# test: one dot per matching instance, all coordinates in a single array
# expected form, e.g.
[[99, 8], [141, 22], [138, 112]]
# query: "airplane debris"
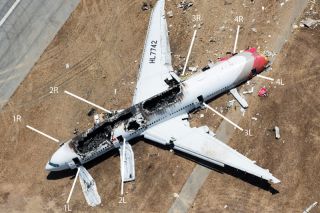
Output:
[[193, 69], [230, 103], [91, 112], [277, 131], [263, 92], [67, 66], [248, 91], [96, 119], [269, 53], [185, 5], [254, 118], [75, 131], [310, 207], [310, 23], [89, 188], [170, 14], [145, 6], [201, 115], [242, 110], [175, 195], [254, 29]]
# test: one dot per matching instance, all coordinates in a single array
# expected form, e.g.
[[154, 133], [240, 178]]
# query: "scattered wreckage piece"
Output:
[[307, 210], [263, 92], [277, 132], [310, 23], [185, 5], [170, 14]]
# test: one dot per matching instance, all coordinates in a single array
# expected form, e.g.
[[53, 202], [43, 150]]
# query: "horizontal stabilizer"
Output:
[[239, 98], [89, 187]]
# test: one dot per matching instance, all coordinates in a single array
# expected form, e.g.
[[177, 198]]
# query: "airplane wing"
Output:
[[156, 58], [200, 142]]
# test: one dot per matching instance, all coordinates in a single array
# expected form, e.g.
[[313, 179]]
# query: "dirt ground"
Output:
[[102, 42]]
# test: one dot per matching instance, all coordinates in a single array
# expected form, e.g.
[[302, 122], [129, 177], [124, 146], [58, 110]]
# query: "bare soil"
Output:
[[102, 42]]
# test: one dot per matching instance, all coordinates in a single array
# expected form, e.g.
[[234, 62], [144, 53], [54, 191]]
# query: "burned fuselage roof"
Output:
[[131, 119]]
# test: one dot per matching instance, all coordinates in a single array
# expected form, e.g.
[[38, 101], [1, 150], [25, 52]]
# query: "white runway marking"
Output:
[[9, 12], [74, 183], [48, 136], [88, 102], [264, 77], [215, 111]]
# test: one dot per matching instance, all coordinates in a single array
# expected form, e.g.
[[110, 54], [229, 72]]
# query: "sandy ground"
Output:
[[102, 42]]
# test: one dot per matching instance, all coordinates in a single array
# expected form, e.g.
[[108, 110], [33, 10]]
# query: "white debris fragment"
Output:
[[201, 115], [222, 28], [242, 110], [170, 14], [89, 187], [277, 131], [230, 103], [115, 91], [268, 53], [67, 66], [175, 195], [225, 206], [281, 4], [310, 23], [193, 69], [96, 119], [254, 29], [263, 8], [254, 118], [248, 91], [295, 26], [310, 207]]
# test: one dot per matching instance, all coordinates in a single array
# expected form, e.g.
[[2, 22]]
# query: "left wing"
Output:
[[156, 58], [201, 143]]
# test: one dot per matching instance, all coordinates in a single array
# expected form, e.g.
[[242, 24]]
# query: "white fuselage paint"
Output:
[[217, 80]]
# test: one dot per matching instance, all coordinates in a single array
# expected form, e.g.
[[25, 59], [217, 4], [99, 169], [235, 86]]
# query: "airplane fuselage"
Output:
[[177, 100]]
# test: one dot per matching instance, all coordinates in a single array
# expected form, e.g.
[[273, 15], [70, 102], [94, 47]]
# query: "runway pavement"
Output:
[[26, 30]]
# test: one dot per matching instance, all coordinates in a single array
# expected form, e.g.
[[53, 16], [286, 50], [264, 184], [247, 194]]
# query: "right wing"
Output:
[[200, 142], [155, 63]]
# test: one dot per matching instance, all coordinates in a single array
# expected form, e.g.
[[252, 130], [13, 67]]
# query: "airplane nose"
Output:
[[49, 167]]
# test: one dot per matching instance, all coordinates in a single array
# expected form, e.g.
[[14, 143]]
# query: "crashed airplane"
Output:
[[160, 108]]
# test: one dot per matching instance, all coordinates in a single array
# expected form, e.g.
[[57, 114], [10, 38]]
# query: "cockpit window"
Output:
[[53, 164]]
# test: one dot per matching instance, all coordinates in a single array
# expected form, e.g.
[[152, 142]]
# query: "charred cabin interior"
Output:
[[87, 142], [165, 98], [101, 133]]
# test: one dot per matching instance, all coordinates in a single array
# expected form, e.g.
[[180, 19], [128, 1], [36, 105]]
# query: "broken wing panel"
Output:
[[156, 58], [200, 143]]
